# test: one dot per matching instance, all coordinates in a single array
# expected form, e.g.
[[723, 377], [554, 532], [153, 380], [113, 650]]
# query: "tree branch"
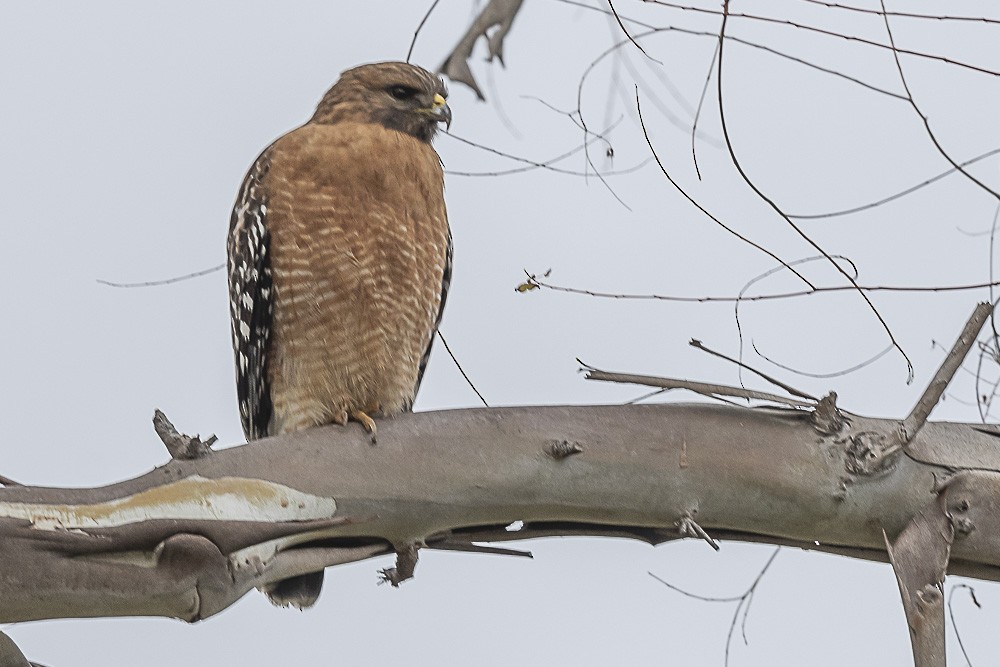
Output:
[[193, 536]]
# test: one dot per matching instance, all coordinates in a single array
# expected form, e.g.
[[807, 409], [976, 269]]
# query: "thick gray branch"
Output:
[[193, 536]]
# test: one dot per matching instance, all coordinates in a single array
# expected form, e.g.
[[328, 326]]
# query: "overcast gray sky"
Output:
[[127, 127]]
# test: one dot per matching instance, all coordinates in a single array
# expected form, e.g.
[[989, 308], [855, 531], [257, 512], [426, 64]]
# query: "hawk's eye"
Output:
[[402, 92]]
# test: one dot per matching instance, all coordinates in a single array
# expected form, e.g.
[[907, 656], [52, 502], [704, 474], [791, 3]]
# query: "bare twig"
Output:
[[537, 283], [703, 388], [933, 17], [923, 116], [628, 34], [828, 33], [166, 281], [954, 623], [697, 113], [420, 26], [932, 394], [701, 208], [777, 209], [654, 30], [823, 376], [756, 279], [744, 599], [898, 195], [547, 164], [697, 344], [459, 367]]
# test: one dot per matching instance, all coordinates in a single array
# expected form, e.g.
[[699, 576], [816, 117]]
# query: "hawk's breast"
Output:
[[359, 238]]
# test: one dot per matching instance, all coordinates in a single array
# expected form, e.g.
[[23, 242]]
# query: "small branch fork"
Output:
[[744, 600]]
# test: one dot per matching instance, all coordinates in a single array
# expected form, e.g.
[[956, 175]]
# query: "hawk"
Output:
[[339, 261]]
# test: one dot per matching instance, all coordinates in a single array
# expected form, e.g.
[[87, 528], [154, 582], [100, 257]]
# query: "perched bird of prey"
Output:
[[339, 261]]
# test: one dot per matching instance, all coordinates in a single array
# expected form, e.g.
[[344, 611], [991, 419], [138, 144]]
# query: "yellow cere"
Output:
[[438, 100]]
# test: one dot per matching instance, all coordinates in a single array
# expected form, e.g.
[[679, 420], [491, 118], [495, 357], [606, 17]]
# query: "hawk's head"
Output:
[[397, 95]]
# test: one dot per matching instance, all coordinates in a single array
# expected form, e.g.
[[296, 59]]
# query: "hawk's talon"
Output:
[[366, 422]]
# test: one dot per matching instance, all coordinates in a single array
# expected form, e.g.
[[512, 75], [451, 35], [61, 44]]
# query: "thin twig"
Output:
[[743, 600], [459, 367], [166, 281], [932, 394], [701, 208], [993, 321], [909, 15], [756, 279], [697, 113], [923, 116], [547, 164], [778, 383], [898, 195], [823, 376], [761, 297], [703, 388], [413, 42], [628, 34], [954, 624], [777, 209], [828, 33], [654, 30]]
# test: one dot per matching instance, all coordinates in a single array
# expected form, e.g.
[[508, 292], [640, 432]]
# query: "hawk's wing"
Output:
[[445, 284], [251, 298]]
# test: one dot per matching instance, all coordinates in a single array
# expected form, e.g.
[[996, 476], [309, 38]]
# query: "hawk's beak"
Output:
[[440, 110]]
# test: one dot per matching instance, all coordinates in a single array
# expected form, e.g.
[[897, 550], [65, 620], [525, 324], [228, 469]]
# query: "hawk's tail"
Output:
[[300, 592]]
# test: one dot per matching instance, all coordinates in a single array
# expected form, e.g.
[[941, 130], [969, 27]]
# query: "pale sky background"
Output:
[[127, 127]]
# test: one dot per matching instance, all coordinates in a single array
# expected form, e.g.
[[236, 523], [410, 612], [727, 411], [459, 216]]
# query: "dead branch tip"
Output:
[[499, 13]]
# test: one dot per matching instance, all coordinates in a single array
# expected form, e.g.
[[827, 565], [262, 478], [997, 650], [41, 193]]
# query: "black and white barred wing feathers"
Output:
[[251, 299]]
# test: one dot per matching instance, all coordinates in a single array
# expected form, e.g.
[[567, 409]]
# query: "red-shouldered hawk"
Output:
[[339, 263]]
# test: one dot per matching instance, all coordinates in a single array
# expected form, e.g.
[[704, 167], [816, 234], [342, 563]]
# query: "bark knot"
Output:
[[560, 449], [825, 417], [869, 453]]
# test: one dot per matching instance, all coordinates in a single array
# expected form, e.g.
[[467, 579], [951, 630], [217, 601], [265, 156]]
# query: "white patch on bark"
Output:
[[195, 497]]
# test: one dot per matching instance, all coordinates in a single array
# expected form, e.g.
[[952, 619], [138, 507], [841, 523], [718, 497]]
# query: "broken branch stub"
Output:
[[497, 14], [179, 445]]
